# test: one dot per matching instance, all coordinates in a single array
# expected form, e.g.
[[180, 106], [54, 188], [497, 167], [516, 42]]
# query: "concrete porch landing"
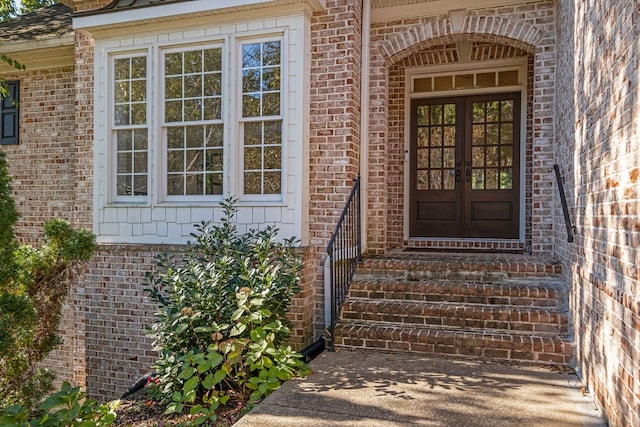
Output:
[[356, 388]]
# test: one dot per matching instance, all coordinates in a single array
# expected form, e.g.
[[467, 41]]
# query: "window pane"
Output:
[[477, 179], [506, 156], [214, 136], [121, 69], [435, 180], [436, 158], [193, 61], [436, 136], [213, 60], [263, 157], [138, 90], [423, 180], [173, 111], [271, 78], [271, 53], [124, 162], [195, 136], [139, 67], [212, 109], [271, 104], [251, 105], [272, 183], [272, 158], [251, 80], [140, 162], [195, 160], [273, 132], [193, 86], [130, 108], [175, 161], [506, 179], [124, 138], [213, 184], [122, 115], [140, 185], [140, 139], [175, 185], [173, 64], [212, 84], [251, 55], [492, 179], [252, 181], [138, 114], [253, 158], [173, 88]]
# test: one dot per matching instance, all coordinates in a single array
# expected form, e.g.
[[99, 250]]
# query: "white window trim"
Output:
[[237, 42], [161, 128], [112, 187]]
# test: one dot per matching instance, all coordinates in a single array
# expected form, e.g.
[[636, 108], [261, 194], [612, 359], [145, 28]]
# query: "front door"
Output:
[[465, 166]]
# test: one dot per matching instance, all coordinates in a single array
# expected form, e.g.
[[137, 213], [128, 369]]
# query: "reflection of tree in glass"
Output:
[[261, 78]]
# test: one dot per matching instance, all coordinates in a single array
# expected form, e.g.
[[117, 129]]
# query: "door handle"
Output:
[[458, 172], [468, 175]]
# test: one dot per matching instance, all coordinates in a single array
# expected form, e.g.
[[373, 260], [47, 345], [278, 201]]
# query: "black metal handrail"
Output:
[[563, 201], [344, 250]]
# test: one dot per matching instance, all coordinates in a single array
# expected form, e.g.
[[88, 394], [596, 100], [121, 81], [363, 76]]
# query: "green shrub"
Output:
[[222, 317], [33, 285], [69, 407]]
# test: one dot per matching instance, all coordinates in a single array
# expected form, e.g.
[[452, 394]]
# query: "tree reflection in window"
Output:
[[130, 125], [261, 112], [193, 119]]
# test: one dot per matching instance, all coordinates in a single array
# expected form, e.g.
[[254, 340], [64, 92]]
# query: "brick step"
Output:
[[518, 319], [477, 267], [534, 292], [447, 341]]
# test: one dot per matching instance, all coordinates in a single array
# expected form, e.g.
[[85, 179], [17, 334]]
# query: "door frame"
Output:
[[412, 73]]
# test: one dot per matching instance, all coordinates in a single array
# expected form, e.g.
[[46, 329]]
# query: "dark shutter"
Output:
[[9, 114]]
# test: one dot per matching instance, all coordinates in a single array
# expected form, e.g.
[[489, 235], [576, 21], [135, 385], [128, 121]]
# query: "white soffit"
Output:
[[387, 10], [39, 54]]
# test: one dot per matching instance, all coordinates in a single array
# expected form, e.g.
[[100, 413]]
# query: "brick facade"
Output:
[[598, 153], [581, 113]]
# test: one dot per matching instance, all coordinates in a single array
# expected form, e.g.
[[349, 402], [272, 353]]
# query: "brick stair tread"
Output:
[[474, 265], [530, 293], [410, 307], [455, 341]]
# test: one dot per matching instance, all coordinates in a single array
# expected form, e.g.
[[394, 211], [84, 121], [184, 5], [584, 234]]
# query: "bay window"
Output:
[[220, 123]]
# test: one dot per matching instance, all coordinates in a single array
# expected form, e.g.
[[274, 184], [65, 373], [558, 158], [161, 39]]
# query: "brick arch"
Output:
[[498, 29]]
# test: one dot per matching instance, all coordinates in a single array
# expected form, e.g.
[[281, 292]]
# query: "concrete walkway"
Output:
[[349, 388]]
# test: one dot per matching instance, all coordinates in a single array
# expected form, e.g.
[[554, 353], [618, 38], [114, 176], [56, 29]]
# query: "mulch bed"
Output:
[[137, 410]]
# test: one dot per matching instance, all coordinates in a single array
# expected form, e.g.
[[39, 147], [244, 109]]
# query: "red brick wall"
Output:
[[598, 153], [42, 165], [334, 125]]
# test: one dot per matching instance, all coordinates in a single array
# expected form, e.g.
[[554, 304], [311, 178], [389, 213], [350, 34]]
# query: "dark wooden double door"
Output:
[[465, 167]]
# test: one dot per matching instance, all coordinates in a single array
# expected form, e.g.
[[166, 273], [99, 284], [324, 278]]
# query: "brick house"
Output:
[[135, 118]]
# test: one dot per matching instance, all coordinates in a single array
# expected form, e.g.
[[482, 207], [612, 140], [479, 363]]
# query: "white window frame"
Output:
[[161, 127], [240, 120], [112, 165]]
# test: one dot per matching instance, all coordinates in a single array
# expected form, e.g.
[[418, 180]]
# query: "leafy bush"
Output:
[[222, 317], [69, 407], [33, 285]]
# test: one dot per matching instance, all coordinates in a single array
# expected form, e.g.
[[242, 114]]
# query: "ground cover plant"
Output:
[[222, 321]]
